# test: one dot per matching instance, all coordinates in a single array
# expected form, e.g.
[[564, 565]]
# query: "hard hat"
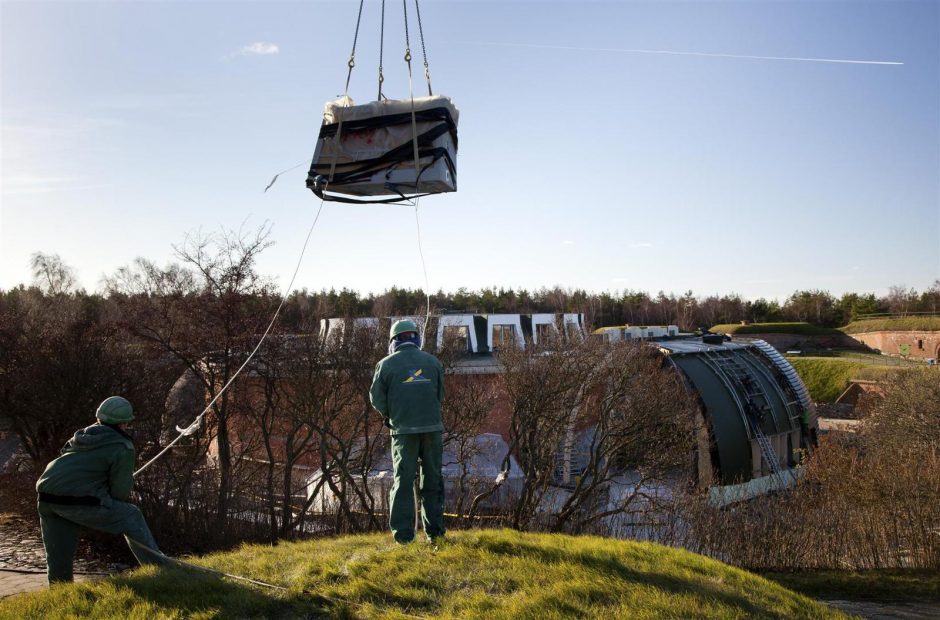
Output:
[[401, 327], [115, 410]]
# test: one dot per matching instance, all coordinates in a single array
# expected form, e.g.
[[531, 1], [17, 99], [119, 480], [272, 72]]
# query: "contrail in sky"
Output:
[[674, 53]]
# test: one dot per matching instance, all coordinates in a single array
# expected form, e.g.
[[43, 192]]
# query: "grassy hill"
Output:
[[826, 378], [904, 324], [801, 329], [489, 573]]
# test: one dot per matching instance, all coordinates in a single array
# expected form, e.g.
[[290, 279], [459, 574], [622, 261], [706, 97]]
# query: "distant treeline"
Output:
[[218, 266], [688, 311]]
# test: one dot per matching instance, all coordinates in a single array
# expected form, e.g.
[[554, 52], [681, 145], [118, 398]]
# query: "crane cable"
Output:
[[197, 423], [352, 55], [424, 51], [414, 142]]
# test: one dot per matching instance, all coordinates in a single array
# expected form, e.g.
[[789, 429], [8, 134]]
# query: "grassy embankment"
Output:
[[801, 329], [904, 324], [489, 573], [827, 377]]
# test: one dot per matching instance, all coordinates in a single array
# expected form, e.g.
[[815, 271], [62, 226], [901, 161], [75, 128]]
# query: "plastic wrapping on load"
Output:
[[369, 150]]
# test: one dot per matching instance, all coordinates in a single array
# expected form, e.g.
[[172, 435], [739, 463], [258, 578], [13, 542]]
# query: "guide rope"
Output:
[[427, 287], [302, 163], [197, 423], [205, 569]]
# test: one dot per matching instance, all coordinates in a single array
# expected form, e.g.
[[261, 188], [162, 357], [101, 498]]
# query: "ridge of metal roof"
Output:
[[694, 344]]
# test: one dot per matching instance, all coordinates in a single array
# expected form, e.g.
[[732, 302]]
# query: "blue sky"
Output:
[[126, 125]]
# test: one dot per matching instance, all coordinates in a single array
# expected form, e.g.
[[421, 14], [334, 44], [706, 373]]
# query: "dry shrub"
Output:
[[871, 500]]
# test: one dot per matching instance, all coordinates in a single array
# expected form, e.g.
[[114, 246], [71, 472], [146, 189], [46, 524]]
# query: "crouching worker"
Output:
[[87, 486], [407, 390]]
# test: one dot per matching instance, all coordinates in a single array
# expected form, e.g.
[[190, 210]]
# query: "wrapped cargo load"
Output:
[[368, 151]]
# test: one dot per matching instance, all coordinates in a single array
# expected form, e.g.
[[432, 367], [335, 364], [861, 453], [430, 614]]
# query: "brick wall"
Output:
[[918, 344]]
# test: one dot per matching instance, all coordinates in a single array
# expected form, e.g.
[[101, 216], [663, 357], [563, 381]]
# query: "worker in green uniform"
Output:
[[407, 390], [87, 486]]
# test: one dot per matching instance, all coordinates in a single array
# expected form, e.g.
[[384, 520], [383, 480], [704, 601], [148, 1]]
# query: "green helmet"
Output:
[[401, 327], [115, 410]]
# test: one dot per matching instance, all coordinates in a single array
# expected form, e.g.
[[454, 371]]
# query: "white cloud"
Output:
[[567, 242], [258, 48], [641, 245], [38, 184], [619, 280]]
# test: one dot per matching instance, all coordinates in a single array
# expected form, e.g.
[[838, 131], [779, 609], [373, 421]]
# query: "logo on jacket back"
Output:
[[416, 376]]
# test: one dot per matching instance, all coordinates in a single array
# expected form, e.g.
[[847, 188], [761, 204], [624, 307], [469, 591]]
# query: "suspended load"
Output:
[[386, 151], [370, 150]]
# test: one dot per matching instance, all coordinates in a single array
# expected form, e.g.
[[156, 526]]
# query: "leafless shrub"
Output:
[[865, 501], [595, 427]]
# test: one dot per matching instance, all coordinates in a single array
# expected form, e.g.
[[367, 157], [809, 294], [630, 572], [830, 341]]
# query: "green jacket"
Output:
[[407, 390], [98, 461]]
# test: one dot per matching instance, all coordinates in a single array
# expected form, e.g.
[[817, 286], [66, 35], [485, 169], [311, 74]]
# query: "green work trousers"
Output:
[[407, 451], [60, 526]]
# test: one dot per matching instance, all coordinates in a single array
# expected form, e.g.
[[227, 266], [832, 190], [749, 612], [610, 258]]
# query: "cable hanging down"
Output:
[[197, 423]]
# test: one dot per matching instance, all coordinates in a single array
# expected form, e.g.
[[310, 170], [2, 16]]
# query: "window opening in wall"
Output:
[[457, 338], [920, 345], [504, 336], [544, 331], [572, 331]]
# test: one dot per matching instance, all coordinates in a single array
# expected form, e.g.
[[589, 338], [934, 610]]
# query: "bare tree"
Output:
[[586, 416], [51, 275], [207, 319]]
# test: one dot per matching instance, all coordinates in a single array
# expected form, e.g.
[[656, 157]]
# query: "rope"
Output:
[[197, 423], [424, 51], [182, 564], [424, 267], [352, 54], [282, 172]]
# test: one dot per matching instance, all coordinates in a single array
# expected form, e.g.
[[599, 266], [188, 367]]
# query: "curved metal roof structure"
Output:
[[755, 407]]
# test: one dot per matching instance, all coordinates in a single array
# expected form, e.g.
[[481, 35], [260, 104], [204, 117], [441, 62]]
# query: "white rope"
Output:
[[424, 267], [197, 423], [181, 564]]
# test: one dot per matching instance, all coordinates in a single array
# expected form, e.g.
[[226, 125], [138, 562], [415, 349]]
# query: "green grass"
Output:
[[905, 324], [827, 377], [802, 329], [861, 585], [488, 573]]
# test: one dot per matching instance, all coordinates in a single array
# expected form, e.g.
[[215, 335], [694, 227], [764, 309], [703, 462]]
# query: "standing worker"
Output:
[[407, 390], [87, 486]]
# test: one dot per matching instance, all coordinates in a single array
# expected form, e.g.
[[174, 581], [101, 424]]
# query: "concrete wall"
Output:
[[919, 344]]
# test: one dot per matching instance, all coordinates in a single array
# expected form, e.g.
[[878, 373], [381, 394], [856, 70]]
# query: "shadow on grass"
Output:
[[192, 593], [612, 566]]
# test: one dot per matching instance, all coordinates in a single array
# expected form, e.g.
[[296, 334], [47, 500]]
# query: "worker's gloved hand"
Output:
[[387, 422]]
